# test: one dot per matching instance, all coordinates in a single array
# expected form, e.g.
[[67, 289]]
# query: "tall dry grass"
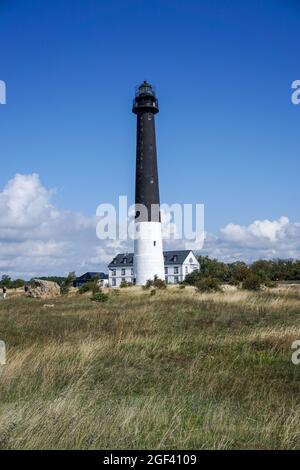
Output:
[[174, 370]]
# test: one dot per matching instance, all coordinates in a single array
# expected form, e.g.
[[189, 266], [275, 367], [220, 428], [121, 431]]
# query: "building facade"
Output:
[[177, 265]]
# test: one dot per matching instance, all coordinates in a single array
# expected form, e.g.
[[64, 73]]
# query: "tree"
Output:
[[238, 272], [5, 281], [208, 284], [67, 283], [17, 283], [71, 278], [252, 282], [213, 268]]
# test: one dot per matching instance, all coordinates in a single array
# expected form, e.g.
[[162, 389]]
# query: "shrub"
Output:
[[159, 283], [208, 284], [193, 278], [270, 284], [148, 284], [90, 286], [124, 283], [64, 289], [156, 282], [252, 282], [99, 297], [181, 286], [84, 288], [152, 292]]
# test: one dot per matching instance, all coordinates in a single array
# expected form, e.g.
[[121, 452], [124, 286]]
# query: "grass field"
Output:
[[177, 369]]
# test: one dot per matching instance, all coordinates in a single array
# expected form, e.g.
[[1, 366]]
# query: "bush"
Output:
[[181, 286], [208, 284], [124, 283], [99, 297], [159, 283], [64, 289], [193, 278], [84, 288], [148, 284], [152, 292], [67, 283], [90, 286], [270, 284], [252, 282]]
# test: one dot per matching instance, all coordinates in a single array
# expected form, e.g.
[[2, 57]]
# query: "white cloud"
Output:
[[38, 239], [260, 229], [261, 239]]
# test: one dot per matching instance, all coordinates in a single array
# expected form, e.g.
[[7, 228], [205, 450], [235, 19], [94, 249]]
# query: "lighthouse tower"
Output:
[[148, 249]]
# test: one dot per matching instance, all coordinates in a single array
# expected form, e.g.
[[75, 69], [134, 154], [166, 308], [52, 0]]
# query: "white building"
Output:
[[177, 265]]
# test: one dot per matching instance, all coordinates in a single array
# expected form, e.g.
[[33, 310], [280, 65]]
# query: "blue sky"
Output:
[[228, 134]]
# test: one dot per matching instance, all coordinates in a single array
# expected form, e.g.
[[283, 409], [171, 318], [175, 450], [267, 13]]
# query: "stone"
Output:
[[44, 289]]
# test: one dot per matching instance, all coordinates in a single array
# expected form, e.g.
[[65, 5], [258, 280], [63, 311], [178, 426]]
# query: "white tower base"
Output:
[[148, 252]]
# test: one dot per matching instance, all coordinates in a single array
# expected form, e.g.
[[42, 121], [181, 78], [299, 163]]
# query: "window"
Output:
[[132, 272], [186, 270], [176, 271], [166, 270], [166, 279], [154, 243], [191, 260], [176, 279], [123, 270], [175, 258], [113, 272], [113, 282]]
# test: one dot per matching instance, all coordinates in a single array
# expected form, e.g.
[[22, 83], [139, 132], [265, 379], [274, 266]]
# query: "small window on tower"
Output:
[[154, 243], [149, 117]]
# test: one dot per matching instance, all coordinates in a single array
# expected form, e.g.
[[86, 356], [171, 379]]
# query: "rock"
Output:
[[44, 289]]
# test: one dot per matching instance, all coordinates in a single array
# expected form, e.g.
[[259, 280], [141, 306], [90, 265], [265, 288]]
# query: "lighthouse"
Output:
[[148, 248]]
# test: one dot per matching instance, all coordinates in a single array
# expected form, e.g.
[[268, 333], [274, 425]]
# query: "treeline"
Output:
[[62, 281], [251, 276], [273, 270]]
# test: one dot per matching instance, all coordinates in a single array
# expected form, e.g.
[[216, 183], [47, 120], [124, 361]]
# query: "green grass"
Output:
[[175, 370]]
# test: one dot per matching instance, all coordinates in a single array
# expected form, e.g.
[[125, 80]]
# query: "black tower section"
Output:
[[145, 106]]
